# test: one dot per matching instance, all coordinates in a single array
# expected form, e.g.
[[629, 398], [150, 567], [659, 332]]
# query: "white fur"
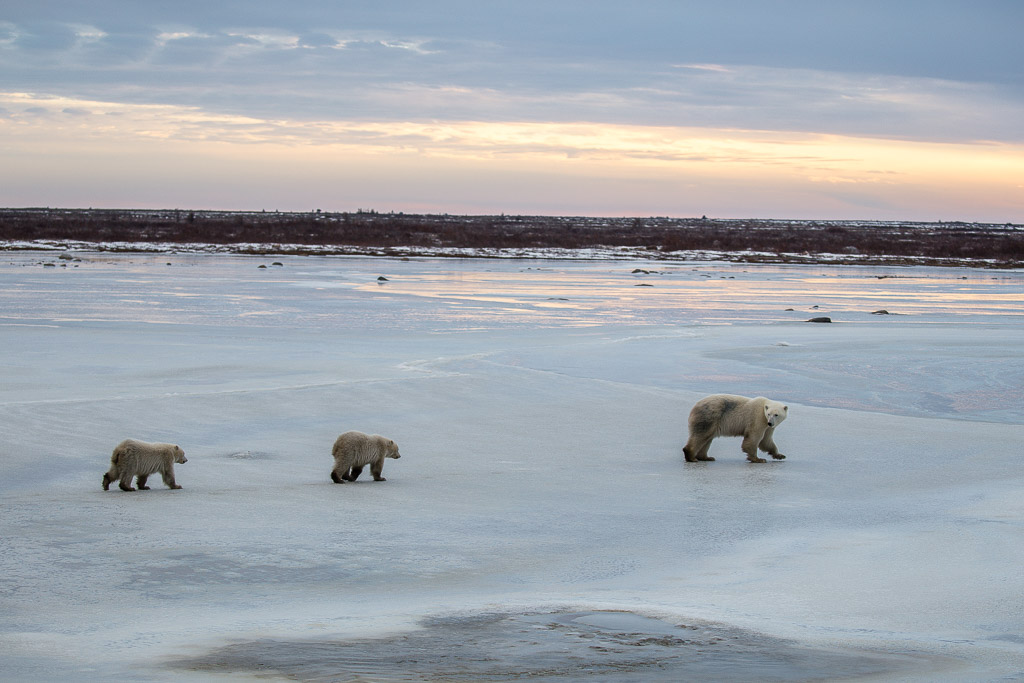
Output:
[[140, 459], [755, 419], [354, 450]]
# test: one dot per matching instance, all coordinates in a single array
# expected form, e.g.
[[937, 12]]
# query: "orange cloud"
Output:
[[859, 168]]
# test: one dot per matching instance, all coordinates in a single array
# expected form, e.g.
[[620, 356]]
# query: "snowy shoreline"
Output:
[[534, 253]]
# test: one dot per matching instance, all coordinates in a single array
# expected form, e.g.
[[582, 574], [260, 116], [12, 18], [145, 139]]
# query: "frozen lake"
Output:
[[542, 521]]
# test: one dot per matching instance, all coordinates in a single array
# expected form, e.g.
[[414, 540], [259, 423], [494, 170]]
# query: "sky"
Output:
[[796, 109]]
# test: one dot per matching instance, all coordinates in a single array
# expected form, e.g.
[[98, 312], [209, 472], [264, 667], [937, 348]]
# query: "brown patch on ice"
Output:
[[553, 646]]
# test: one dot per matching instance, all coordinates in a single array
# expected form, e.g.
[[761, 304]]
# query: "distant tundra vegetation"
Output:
[[952, 243]]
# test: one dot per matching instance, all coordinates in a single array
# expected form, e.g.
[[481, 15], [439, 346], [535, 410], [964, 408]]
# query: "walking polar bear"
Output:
[[755, 419], [354, 450], [140, 459]]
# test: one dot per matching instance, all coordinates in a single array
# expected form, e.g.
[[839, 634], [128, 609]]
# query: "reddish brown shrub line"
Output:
[[976, 241]]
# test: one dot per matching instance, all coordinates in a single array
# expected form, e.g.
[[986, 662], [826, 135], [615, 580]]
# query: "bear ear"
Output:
[[785, 408]]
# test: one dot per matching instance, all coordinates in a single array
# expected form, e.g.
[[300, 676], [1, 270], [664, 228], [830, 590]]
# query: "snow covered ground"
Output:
[[541, 520]]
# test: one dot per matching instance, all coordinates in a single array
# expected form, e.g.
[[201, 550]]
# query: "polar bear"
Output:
[[755, 419], [140, 459], [354, 450]]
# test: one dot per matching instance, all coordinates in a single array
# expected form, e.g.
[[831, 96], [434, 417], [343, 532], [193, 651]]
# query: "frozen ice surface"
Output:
[[541, 515]]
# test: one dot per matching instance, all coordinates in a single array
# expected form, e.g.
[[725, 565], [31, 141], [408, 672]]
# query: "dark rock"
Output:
[[820, 320]]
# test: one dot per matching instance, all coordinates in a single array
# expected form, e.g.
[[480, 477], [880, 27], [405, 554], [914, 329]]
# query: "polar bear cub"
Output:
[[755, 419], [354, 450], [140, 459]]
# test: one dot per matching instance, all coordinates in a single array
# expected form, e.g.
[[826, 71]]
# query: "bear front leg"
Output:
[[353, 473], [750, 442], [141, 482], [768, 446], [169, 479], [376, 468]]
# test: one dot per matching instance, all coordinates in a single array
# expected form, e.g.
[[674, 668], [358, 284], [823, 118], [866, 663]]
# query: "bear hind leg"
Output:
[[108, 479], [140, 482], [696, 449], [702, 452], [342, 465], [688, 453], [353, 473]]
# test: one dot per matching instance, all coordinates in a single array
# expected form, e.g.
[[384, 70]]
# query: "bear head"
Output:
[[775, 412], [392, 450], [179, 455]]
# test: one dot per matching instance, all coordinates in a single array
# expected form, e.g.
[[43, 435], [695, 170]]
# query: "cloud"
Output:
[[821, 158], [49, 37], [733, 85], [388, 74], [704, 67], [316, 40]]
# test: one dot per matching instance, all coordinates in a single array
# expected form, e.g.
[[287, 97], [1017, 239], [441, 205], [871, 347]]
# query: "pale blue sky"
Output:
[[776, 109]]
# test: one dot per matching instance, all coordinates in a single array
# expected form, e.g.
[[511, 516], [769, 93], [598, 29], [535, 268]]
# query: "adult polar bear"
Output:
[[140, 459], [755, 419]]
